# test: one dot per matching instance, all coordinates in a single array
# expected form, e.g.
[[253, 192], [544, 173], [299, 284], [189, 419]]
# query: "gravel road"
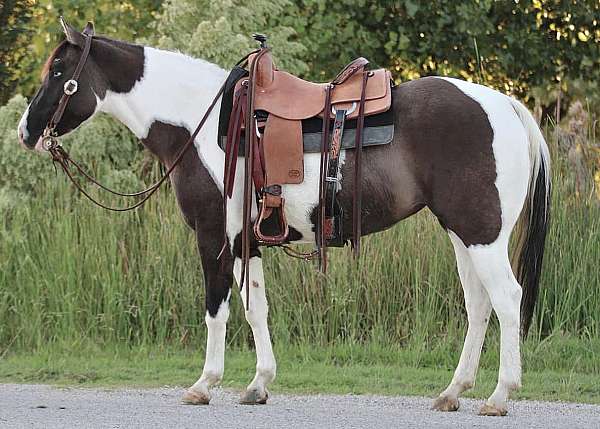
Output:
[[33, 406]]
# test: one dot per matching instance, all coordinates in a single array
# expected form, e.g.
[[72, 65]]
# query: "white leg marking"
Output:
[[215, 354], [256, 316], [478, 308], [492, 266]]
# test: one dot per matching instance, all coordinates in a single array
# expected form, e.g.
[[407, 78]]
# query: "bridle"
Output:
[[61, 157], [70, 87]]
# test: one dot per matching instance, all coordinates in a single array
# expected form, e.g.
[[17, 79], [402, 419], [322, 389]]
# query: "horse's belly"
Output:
[[301, 199]]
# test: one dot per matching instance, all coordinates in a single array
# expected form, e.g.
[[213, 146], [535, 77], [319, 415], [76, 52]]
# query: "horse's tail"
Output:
[[533, 222]]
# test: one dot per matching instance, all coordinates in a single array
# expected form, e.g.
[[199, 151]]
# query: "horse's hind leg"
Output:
[[478, 308], [493, 268], [256, 315]]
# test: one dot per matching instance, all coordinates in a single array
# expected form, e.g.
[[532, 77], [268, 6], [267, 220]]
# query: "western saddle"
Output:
[[269, 105]]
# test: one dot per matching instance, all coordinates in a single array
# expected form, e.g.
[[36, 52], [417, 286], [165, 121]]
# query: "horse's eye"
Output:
[[57, 74]]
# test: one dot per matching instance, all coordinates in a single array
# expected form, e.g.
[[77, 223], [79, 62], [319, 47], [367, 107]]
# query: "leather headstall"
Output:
[[69, 89]]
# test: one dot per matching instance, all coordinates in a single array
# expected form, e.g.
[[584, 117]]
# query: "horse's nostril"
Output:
[[21, 135]]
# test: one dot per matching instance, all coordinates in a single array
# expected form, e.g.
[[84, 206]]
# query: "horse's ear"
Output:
[[89, 29], [74, 37]]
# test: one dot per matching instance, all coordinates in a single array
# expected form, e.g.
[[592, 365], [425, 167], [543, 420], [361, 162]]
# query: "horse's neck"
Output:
[[175, 90]]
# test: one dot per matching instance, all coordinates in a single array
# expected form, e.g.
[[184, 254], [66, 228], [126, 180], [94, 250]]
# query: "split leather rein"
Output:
[[61, 157]]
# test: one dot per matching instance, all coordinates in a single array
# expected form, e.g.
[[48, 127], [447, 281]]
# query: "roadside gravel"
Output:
[[33, 406]]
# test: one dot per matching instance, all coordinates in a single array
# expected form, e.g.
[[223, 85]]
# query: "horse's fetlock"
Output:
[[213, 376], [467, 385], [267, 373]]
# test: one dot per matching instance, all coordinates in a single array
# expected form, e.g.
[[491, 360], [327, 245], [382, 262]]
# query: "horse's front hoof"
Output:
[[492, 410], [254, 397], [193, 397], [445, 403]]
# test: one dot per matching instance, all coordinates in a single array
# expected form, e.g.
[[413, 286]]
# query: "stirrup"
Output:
[[266, 212]]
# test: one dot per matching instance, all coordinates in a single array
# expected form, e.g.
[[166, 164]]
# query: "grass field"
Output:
[[565, 369], [95, 297], [71, 272]]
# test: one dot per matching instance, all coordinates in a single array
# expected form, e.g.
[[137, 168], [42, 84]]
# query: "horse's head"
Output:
[[59, 69]]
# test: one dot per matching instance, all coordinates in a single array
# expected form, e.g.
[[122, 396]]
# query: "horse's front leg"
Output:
[[218, 281], [256, 315]]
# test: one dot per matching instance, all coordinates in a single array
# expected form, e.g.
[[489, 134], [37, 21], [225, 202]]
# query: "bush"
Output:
[[103, 145]]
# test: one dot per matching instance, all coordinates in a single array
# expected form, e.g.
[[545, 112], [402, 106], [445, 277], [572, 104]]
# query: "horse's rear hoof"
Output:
[[445, 403], [492, 410], [193, 397], [254, 397]]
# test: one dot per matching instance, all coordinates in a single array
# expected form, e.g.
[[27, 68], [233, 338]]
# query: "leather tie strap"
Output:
[[251, 145], [321, 241], [355, 66], [357, 197], [61, 156]]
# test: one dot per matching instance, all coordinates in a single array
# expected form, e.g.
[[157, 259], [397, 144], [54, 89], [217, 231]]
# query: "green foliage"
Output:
[[14, 17], [127, 20], [512, 46], [71, 272], [219, 30], [20, 172], [106, 146]]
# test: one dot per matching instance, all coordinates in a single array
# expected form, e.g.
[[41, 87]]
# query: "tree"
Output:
[[220, 30], [127, 20], [513, 46], [14, 17]]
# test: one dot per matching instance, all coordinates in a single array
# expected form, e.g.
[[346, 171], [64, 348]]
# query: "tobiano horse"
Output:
[[475, 157]]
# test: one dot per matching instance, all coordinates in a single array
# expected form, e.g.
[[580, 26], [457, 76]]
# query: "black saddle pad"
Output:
[[378, 129]]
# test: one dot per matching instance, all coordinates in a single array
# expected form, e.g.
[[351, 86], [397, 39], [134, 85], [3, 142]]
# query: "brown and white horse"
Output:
[[475, 157]]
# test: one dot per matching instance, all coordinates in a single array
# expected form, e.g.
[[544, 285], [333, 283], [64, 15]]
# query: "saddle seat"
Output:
[[289, 97]]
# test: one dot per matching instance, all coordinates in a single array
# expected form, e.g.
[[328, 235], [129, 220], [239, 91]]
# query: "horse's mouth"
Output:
[[39, 146]]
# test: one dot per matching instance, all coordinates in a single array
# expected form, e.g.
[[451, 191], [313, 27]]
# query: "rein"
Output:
[[62, 157]]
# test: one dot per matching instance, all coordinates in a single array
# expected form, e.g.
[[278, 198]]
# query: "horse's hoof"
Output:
[[445, 403], [492, 410], [254, 397], [193, 397]]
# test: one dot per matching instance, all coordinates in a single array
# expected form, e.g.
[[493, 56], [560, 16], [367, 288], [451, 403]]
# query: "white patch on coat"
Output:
[[215, 349], [519, 149], [257, 319], [22, 130], [177, 90], [478, 306]]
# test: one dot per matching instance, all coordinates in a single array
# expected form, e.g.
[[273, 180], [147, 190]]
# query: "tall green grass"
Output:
[[74, 274]]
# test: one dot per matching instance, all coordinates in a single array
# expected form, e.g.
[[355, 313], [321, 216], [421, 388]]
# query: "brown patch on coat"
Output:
[[441, 157], [200, 202]]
